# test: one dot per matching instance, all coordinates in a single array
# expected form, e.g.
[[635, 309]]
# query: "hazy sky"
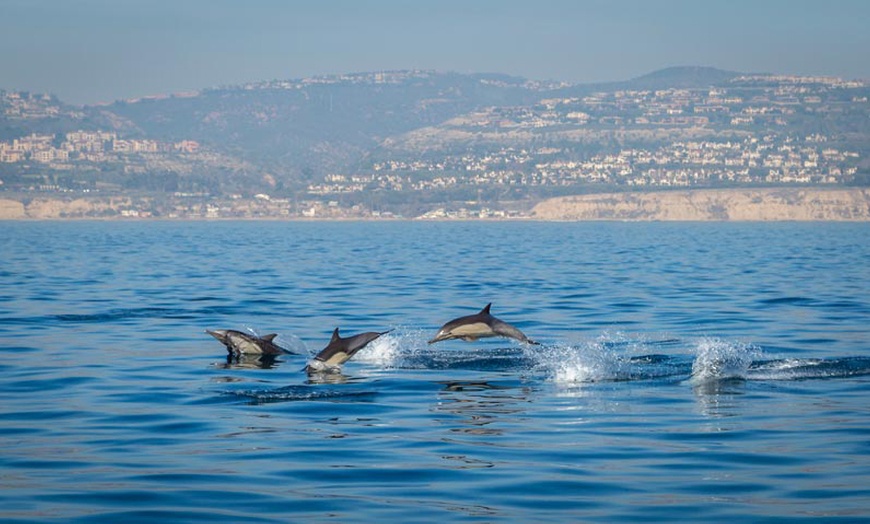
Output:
[[87, 51]]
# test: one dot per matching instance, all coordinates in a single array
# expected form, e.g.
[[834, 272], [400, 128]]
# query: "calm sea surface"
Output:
[[688, 372]]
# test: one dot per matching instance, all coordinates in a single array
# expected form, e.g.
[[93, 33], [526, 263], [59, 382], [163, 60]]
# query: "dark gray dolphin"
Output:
[[479, 325], [339, 350], [239, 343]]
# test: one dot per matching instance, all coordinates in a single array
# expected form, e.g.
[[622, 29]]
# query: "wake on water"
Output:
[[611, 357]]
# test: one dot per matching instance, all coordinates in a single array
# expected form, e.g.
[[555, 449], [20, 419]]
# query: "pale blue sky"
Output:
[[87, 51]]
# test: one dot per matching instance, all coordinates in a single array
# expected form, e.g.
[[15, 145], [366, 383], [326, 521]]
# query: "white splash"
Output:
[[717, 359], [591, 361], [390, 350], [292, 343], [575, 369], [790, 369]]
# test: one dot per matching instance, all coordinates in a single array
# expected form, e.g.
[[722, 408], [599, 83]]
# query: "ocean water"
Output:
[[688, 372]]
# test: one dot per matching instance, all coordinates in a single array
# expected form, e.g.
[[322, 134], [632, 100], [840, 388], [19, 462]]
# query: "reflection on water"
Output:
[[719, 398], [244, 361], [328, 377], [481, 408]]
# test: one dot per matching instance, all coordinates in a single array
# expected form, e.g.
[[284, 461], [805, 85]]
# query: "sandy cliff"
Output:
[[725, 204], [11, 209], [58, 208]]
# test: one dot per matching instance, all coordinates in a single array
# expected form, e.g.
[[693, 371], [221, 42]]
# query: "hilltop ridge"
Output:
[[682, 77]]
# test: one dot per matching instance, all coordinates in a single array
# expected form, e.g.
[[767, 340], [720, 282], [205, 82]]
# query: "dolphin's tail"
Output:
[[506, 330]]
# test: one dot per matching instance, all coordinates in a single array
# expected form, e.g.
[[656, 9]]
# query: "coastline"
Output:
[[697, 205]]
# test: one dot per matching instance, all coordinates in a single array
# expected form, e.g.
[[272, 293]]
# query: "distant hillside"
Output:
[[407, 142], [23, 114], [308, 128]]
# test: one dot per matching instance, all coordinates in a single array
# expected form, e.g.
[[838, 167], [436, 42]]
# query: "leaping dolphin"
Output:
[[339, 350], [239, 343], [479, 325]]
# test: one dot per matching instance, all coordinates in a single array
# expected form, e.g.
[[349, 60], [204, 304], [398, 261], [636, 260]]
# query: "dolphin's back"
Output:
[[340, 350], [240, 343]]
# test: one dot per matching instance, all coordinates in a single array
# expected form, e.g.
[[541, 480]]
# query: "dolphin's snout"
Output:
[[439, 337], [217, 333], [220, 334]]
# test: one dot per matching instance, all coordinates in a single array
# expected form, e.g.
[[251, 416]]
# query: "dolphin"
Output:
[[339, 350], [479, 325], [239, 343]]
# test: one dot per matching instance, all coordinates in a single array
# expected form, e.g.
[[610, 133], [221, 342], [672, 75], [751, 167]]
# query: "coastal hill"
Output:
[[428, 143]]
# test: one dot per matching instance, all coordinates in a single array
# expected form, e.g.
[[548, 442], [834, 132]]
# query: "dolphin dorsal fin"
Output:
[[270, 337], [485, 311], [334, 336]]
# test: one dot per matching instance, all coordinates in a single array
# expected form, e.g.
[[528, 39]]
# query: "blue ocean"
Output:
[[687, 372]]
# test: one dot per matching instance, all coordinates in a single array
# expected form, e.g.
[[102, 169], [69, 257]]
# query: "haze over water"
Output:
[[688, 372]]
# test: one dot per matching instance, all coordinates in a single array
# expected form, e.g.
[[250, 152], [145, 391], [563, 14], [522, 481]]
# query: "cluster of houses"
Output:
[[768, 159], [83, 146], [735, 134]]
